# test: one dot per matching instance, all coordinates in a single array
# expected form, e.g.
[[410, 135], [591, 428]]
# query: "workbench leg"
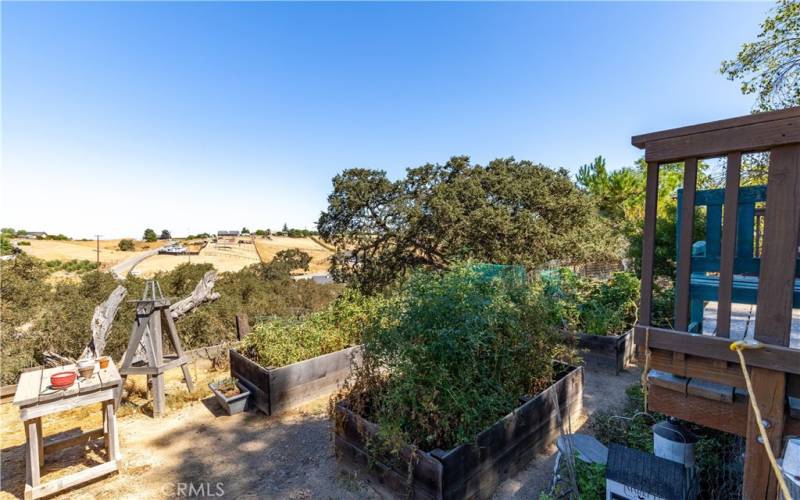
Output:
[[40, 441], [112, 438], [159, 399], [187, 377], [32, 455]]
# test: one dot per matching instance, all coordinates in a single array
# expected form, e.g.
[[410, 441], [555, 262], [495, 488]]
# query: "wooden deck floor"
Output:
[[743, 320]]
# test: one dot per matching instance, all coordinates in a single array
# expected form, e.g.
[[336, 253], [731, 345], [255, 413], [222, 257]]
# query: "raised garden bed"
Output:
[[471, 470], [275, 390], [605, 352]]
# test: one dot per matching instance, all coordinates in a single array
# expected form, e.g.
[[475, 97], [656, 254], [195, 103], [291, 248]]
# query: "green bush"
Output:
[[279, 342], [448, 354], [592, 306], [126, 245], [36, 316]]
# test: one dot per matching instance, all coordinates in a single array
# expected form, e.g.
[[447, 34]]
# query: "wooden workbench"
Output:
[[35, 399]]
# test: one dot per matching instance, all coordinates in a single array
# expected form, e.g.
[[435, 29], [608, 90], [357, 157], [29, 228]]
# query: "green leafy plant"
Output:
[[228, 387], [449, 354], [591, 306], [282, 341]]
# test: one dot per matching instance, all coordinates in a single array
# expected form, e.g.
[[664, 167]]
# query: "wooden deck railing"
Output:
[[776, 366]]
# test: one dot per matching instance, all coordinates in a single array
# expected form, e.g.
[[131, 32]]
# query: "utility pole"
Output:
[[97, 236]]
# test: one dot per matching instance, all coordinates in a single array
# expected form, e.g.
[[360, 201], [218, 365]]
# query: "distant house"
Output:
[[227, 234], [34, 235]]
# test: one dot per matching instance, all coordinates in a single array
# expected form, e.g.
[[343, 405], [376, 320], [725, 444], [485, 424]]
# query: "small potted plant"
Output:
[[231, 394]]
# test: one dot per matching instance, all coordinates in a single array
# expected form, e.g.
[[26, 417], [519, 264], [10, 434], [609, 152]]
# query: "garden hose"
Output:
[[738, 347]]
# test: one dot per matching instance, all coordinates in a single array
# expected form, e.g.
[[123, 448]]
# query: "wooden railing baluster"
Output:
[[728, 251], [682, 282]]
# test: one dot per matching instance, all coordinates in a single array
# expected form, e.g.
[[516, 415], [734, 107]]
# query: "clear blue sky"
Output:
[[204, 116]]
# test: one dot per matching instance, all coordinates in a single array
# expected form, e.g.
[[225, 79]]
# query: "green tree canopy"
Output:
[[149, 235], [508, 211], [165, 235], [770, 66]]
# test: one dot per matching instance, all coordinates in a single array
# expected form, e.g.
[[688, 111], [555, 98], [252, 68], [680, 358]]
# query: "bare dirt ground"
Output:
[[84, 250], [249, 455]]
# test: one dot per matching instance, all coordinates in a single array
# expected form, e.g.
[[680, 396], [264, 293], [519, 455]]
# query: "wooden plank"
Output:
[[109, 376], [64, 404], [242, 326], [697, 367], [649, 244], [755, 137], [725, 417], [254, 376], [710, 390], [28, 388], [781, 227], [46, 393], [728, 250], [774, 313], [55, 444], [640, 141], [351, 445], [112, 445], [33, 451], [686, 231], [295, 384], [74, 479], [770, 356], [769, 388], [91, 384], [667, 381]]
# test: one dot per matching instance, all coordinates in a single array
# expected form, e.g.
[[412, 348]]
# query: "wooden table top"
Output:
[[34, 386]]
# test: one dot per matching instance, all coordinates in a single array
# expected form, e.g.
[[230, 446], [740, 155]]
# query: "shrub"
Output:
[[449, 354], [6, 248], [126, 245], [35, 316], [591, 306], [279, 342], [24, 243]]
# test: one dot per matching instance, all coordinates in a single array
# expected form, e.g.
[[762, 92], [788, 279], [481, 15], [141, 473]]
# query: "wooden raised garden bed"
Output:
[[606, 352], [275, 390], [471, 470]]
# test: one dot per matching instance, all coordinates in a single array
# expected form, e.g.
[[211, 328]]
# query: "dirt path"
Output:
[[249, 455]]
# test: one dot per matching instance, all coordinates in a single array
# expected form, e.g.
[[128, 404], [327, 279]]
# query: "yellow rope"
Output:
[[738, 347]]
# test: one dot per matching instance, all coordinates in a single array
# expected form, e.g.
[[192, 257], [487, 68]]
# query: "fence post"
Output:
[[242, 326]]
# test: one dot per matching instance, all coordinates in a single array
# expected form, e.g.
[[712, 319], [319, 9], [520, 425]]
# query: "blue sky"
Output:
[[203, 116]]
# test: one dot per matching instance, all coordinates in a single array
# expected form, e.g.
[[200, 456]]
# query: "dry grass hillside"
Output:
[[84, 250], [320, 256]]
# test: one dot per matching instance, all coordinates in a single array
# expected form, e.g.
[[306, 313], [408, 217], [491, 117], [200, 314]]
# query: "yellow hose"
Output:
[[738, 347]]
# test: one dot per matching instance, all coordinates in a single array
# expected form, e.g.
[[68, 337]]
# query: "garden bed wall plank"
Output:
[[352, 434], [298, 383], [254, 377], [469, 470], [275, 390], [605, 352], [508, 445]]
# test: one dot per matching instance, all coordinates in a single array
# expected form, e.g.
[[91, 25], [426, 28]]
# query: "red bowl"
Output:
[[62, 380]]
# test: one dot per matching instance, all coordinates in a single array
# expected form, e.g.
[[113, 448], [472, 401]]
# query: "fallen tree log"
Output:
[[203, 292]]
